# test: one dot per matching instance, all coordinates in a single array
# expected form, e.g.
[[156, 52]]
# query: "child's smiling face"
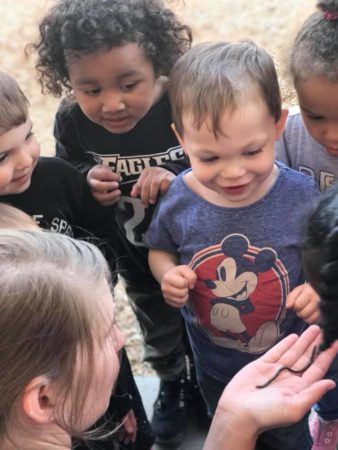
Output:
[[19, 153], [318, 101], [236, 167], [114, 88]]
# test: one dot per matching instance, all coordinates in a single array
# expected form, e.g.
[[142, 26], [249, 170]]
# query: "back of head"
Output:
[[76, 27], [15, 219], [213, 78], [13, 105], [47, 314], [320, 258], [315, 50]]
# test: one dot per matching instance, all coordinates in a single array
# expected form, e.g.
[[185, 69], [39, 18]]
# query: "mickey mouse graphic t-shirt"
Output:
[[247, 260]]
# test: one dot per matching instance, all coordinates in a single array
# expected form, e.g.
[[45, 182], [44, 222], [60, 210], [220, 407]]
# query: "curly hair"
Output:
[[320, 259], [76, 27], [315, 50]]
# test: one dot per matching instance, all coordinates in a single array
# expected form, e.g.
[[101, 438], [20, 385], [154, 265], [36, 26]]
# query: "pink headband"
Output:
[[328, 15]]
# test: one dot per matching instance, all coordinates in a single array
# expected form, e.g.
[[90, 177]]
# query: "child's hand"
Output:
[[176, 284], [104, 184], [128, 430], [304, 301], [151, 182]]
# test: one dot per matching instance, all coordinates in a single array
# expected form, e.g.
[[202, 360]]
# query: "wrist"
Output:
[[231, 431]]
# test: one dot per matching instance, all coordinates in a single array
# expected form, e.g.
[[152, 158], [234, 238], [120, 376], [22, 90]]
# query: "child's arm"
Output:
[[175, 280], [304, 301]]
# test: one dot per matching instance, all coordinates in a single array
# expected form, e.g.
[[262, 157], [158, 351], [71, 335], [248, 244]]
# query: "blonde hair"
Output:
[[13, 105], [15, 219], [48, 283]]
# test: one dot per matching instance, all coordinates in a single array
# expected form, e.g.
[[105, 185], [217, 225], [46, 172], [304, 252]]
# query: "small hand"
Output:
[[151, 182], [304, 301], [127, 432], [104, 184], [176, 283]]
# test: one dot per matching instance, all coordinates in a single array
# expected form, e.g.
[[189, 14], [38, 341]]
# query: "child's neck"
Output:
[[217, 199]]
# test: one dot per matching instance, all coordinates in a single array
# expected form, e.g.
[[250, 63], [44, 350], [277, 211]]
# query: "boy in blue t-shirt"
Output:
[[224, 239]]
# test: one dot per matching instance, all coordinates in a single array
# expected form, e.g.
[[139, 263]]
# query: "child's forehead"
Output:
[[253, 110], [15, 135]]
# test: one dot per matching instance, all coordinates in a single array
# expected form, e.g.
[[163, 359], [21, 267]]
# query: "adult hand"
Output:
[[285, 401]]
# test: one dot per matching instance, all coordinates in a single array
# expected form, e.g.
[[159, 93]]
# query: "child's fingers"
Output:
[[189, 275], [103, 186], [174, 292], [107, 198], [102, 173], [292, 297], [310, 313]]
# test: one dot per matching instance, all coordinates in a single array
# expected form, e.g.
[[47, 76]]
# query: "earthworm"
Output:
[[290, 369]]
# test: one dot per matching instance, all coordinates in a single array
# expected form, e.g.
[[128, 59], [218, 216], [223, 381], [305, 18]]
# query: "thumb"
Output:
[[189, 275]]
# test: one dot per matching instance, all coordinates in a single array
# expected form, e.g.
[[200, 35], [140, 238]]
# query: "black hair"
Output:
[[315, 50], [76, 27], [320, 259]]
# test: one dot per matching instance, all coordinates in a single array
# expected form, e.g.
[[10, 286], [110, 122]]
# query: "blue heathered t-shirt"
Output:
[[247, 260]]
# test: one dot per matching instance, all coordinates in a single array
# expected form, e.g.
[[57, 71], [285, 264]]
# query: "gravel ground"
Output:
[[272, 24]]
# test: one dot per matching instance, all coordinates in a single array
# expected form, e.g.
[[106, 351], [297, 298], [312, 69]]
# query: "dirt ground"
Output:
[[271, 23]]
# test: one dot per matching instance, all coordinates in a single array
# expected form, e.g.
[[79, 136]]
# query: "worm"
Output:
[[290, 369]]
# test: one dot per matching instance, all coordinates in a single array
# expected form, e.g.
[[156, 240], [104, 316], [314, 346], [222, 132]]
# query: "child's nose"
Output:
[[113, 103], [232, 171]]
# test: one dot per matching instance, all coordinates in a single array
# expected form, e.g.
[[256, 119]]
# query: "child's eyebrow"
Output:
[[92, 81]]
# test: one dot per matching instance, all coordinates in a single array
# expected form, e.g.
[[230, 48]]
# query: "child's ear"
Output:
[[280, 125], [38, 400], [177, 134]]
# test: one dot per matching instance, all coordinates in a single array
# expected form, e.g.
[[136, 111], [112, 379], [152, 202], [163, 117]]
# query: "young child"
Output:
[[58, 198], [111, 59], [224, 238], [310, 144]]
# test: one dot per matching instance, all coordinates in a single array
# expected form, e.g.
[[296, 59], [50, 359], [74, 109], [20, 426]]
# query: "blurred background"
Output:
[[271, 23]]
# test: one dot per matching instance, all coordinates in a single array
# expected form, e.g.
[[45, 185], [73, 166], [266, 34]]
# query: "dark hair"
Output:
[[76, 27], [13, 105], [315, 50], [320, 258], [213, 77]]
